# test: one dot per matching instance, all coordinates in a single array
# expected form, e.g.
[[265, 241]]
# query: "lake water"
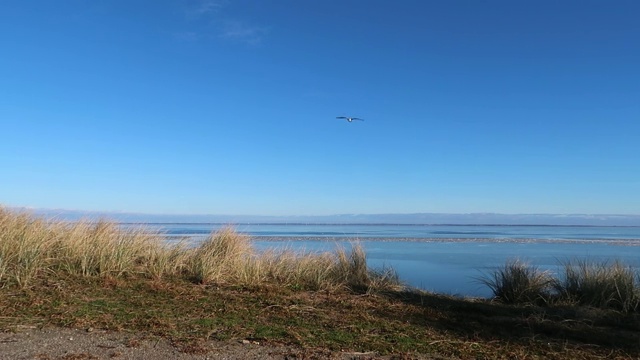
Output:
[[442, 258]]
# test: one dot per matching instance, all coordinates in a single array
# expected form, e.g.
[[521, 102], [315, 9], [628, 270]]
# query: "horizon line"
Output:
[[125, 212]]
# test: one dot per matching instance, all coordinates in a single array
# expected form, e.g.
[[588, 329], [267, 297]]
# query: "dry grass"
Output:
[[98, 275], [518, 282], [601, 285], [30, 246], [404, 325], [100, 249], [222, 257]]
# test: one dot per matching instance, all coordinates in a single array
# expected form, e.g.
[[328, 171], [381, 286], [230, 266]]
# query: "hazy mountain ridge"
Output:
[[415, 218]]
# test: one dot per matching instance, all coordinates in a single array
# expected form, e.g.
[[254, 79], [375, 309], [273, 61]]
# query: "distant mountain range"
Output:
[[417, 218]]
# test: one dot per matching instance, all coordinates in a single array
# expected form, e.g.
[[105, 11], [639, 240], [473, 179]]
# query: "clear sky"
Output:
[[229, 106]]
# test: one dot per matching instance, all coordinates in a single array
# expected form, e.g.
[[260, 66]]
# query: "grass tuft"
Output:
[[222, 256], [517, 282], [596, 284], [352, 270], [600, 285]]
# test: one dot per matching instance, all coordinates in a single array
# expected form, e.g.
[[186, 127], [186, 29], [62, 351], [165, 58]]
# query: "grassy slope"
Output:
[[50, 277], [396, 322]]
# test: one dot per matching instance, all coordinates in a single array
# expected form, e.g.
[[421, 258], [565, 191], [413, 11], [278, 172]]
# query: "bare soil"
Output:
[[76, 344]]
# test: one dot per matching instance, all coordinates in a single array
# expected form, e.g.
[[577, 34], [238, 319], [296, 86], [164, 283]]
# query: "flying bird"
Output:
[[349, 119]]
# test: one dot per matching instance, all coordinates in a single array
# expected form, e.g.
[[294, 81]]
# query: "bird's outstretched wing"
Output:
[[357, 119], [341, 117]]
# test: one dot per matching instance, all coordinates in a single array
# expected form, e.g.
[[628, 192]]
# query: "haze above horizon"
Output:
[[470, 219], [230, 106]]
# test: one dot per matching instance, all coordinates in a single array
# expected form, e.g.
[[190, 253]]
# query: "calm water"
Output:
[[442, 258]]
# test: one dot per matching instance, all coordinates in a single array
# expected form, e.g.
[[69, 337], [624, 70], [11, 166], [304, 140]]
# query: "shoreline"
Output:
[[296, 238]]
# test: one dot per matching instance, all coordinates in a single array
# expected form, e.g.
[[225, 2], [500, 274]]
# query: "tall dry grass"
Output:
[[31, 247], [229, 257], [100, 249], [518, 282], [596, 284], [24, 247], [352, 269], [295, 269], [223, 256], [600, 284]]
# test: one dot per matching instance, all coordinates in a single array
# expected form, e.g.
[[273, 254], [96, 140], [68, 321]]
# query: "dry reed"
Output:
[[32, 247]]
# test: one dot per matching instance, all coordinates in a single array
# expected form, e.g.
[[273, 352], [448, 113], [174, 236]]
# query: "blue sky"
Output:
[[229, 106]]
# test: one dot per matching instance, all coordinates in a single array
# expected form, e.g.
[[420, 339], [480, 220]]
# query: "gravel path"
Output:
[[73, 344]]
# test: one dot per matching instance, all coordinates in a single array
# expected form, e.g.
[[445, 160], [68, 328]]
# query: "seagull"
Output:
[[349, 119]]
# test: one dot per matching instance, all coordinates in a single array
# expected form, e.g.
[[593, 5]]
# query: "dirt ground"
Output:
[[76, 344]]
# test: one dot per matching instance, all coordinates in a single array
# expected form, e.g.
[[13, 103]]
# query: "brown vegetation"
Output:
[[98, 275]]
